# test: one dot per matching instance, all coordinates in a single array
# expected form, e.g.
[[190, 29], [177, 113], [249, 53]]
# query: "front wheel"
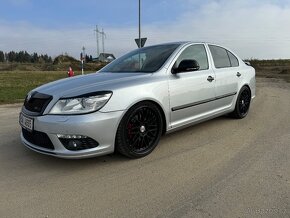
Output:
[[140, 130], [243, 103]]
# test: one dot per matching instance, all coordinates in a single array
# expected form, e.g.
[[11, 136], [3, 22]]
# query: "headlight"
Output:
[[81, 104]]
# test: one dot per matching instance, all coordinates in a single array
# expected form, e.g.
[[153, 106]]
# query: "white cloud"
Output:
[[251, 28], [257, 29]]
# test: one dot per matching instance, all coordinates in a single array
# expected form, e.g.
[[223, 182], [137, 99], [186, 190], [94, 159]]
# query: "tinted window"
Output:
[[220, 56], [234, 60], [147, 59], [196, 52]]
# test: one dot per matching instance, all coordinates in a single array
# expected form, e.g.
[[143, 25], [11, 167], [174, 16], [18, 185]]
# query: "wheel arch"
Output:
[[246, 85], [162, 115]]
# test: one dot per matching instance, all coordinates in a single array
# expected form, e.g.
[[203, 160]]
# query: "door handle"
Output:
[[238, 74], [210, 78]]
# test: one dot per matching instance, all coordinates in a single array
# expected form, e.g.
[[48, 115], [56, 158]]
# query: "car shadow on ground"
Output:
[[46, 162]]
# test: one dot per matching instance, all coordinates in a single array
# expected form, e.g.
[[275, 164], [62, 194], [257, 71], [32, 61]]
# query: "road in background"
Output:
[[220, 168]]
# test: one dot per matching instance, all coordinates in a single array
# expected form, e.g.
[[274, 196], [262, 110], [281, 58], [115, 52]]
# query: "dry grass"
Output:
[[272, 68]]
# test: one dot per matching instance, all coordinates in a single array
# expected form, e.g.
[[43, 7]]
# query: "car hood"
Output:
[[79, 85]]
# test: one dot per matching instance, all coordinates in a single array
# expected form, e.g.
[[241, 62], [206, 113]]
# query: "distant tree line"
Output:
[[24, 57]]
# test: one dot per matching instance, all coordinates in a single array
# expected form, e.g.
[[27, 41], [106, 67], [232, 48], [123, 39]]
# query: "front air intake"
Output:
[[39, 139]]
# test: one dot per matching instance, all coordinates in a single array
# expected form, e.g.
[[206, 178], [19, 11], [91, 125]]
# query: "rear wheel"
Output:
[[243, 103], [140, 130]]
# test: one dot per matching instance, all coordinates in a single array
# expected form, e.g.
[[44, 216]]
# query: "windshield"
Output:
[[148, 59]]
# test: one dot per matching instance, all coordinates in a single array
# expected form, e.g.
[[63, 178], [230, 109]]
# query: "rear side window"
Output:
[[196, 52], [220, 57], [234, 60]]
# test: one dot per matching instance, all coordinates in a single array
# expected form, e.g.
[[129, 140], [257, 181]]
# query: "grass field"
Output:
[[14, 85]]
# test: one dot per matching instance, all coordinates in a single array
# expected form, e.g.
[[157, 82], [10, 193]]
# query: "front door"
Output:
[[192, 93]]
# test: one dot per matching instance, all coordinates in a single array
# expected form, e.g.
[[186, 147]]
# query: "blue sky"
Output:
[[252, 28], [62, 13]]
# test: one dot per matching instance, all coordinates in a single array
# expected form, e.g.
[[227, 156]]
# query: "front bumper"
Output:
[[101, 127]]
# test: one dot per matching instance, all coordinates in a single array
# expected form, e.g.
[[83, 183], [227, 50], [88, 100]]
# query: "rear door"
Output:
[[226, 68], [191, 93]]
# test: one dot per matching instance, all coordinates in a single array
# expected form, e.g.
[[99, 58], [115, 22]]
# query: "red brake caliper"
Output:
[[129, 127]]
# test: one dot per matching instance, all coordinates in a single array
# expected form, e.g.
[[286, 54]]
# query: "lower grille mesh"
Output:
[[38, 138]]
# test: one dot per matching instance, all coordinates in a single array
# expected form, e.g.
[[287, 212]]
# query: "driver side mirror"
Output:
[[186, 66]]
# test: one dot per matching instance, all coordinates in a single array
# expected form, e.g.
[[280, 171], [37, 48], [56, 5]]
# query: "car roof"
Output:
[[181, 43]]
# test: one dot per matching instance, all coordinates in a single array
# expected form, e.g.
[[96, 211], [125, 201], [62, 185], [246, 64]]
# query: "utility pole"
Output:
[[97, 37], [139, 45], [139, 24], [83, 58], [103, 40], [140, 41]]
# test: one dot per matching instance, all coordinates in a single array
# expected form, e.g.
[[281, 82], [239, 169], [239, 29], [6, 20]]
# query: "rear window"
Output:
[[233, 59]]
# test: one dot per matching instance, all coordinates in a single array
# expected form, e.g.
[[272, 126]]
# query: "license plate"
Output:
[[26, 122]]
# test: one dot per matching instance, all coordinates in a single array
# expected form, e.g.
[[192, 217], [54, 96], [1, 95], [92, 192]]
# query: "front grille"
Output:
[[38, 138], [37, 102], [78, 144]]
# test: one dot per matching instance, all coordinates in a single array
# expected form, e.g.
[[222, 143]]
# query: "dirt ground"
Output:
[[220, 168]]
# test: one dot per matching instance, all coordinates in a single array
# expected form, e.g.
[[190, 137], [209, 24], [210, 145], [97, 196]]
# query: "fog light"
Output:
[[61, 136], [73, 144], [77, 142]]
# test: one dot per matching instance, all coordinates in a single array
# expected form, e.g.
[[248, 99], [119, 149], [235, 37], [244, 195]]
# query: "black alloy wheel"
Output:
[[140, 130], [243, 103]]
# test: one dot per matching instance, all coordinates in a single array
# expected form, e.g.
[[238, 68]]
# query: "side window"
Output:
[[234, 60], [220, 57], [196, 52]]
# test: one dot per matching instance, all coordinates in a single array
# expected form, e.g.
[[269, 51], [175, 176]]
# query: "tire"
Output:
[[243, 103], [139, 130]]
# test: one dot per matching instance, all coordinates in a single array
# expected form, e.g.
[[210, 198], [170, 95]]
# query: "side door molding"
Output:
[[202, 102]]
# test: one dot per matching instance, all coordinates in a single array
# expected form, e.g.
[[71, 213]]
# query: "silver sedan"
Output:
[[131, 102]]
